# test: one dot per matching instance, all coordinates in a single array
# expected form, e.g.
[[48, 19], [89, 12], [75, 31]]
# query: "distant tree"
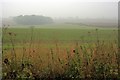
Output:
[[32, 20]]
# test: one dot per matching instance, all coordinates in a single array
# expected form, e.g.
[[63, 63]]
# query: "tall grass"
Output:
[[96, 60]]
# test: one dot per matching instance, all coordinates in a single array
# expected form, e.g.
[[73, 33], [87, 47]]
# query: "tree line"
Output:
[[32, 20]]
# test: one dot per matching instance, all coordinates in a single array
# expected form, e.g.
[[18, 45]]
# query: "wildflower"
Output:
[[74, 50], [22, 66], [96, 29], [29, 65], [88, 32], [102, 54], [10, 33], [6, 61], [13, 74], [33, 50], [28, 74]]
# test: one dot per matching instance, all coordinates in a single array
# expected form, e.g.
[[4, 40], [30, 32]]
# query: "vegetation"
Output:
[[37, 53], [32, 20]]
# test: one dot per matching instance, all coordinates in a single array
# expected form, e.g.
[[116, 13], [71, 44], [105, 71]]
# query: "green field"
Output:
[[63, 33]]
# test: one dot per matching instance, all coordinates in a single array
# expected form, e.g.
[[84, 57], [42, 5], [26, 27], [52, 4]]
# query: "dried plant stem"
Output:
[[30, 45], [13, 51]]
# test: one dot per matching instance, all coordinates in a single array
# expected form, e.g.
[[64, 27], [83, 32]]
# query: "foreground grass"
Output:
[[60, 54]]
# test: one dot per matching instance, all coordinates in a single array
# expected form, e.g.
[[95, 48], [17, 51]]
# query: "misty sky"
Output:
[[60, 8]]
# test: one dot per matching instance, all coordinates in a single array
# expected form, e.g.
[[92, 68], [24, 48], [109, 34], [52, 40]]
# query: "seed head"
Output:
[[33, 50], [10, 33], [74, 50], [96, 29], [6, 61], [88, 32]]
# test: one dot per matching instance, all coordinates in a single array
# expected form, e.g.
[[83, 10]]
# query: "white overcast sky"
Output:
[[61, 8]]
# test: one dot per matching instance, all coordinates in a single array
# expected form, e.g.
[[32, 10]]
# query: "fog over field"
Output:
[[59, 40], [60, 8], [72, 11]]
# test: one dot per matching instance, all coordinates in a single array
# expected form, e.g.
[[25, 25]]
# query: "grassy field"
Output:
[[61, 32], [60, 51]]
